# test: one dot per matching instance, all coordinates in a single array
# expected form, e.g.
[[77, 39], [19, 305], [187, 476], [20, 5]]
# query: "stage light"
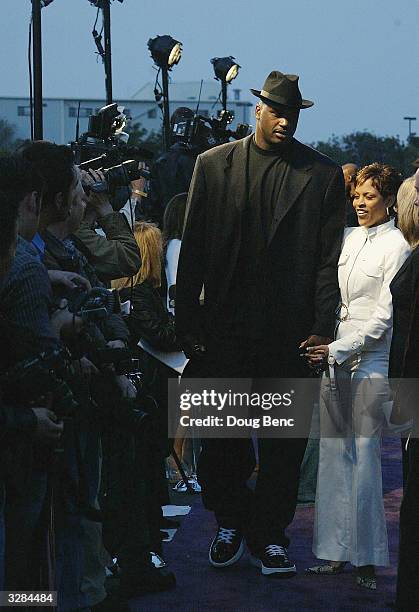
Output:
[[165, 51], [225, 68], [99, 3]]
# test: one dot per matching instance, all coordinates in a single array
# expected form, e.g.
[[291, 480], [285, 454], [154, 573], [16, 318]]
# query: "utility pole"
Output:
[[106, 8], [410, 120], [37, 69]]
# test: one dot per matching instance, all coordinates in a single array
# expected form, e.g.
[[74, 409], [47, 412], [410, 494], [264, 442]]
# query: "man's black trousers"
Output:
[[225, 465], [408, 572]]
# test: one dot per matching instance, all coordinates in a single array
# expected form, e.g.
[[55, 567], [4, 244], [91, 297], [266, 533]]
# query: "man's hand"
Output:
[[126, 386], [48, 427], [71, 280], [139, 185], [315, 341], [98, 201], [192, 347], [65, 324]]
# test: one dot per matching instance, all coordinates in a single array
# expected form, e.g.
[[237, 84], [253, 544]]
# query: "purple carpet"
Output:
[[243, 589]]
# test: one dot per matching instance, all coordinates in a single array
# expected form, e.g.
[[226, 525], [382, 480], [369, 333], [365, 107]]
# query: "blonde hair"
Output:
[[149, 240], [408, 212]]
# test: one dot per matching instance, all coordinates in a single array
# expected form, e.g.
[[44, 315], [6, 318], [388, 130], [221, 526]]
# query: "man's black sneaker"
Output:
[[226, 548], [274, 560]]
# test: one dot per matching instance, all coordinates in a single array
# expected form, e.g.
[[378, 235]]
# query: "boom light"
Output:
[[165, 51], [225, 68]]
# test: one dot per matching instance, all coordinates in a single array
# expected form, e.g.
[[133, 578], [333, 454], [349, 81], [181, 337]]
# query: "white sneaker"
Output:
[[157, 561]]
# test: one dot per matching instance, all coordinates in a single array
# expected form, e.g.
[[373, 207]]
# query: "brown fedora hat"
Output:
[[282, 89]]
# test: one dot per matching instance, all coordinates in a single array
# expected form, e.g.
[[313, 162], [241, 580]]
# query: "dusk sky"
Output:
[[357, 60]]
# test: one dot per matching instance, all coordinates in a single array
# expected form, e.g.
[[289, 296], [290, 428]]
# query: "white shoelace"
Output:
[[273, 549], [226, 535]]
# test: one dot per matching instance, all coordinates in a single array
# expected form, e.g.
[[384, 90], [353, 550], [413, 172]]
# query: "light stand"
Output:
[[107, 58], [166, 53], [224, 94], [226, 69], [37, 69], [105, 53], [166, 110]]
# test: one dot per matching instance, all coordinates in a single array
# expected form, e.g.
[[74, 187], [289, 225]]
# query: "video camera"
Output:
[[94, 305], [207, 132], [104, 146], [35, 377]]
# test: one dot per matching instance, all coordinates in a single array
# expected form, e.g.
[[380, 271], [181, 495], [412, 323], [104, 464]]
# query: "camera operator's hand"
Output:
[[70, 280], [98, 201], [126, 386], [139, 185], [65, 324], [48, 427]]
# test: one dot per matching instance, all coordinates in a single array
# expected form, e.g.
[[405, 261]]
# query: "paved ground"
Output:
[[242, 588]]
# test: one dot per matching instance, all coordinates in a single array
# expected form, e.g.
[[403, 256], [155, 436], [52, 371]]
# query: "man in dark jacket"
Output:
[[265, 218], [115, 254], [25, 330], [172, 171]]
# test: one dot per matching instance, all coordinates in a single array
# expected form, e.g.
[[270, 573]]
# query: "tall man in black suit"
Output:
[[265, 218]]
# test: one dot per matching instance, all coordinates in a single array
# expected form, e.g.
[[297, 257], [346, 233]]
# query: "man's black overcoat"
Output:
[[302, 253]]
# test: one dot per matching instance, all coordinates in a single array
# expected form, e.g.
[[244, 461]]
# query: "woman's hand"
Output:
[[317, 355]]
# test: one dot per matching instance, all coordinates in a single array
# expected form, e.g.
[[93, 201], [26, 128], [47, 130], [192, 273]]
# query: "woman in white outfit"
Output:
[[173, 219], [349, 517]]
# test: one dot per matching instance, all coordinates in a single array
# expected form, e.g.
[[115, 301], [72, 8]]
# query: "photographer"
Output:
[[172, 171], [115, 254], [38, 421], [63, 209], [25, 301]]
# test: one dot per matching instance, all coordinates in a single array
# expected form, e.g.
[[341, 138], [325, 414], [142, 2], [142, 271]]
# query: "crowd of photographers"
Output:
[[83, 411], [83, 443]]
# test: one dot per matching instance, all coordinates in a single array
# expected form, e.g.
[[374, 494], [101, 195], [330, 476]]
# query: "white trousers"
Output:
[[349, 513]]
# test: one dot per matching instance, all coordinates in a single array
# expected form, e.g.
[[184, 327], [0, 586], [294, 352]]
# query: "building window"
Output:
[[84, 112], [152, 113], [23, 111]]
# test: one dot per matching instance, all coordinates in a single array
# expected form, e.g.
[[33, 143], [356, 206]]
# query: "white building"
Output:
[[60, 114]]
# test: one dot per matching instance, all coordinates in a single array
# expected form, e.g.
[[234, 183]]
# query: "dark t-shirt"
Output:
[[246, 304]]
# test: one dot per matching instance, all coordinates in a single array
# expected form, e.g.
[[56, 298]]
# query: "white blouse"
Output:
[[171, 263], [369, 259]]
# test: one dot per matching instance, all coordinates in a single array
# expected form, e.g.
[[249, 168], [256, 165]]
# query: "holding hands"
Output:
[[316, 351]]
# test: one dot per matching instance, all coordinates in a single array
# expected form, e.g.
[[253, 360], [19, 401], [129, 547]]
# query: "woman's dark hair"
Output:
[[173, 218], [384, 178], [55, 164], [18, 178]]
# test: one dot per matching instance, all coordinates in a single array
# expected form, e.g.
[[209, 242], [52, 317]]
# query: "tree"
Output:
[[138, 136], [8, 140], [364, 148]]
